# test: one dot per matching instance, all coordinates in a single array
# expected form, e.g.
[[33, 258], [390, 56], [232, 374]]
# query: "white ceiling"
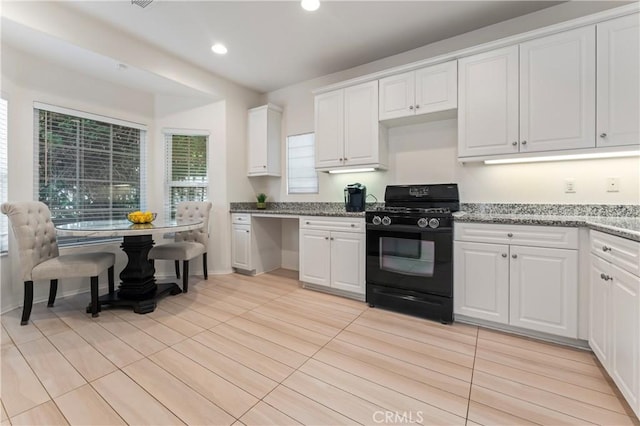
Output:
[[273, 44]]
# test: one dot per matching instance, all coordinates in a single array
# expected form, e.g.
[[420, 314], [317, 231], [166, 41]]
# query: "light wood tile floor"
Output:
[[263, 351]]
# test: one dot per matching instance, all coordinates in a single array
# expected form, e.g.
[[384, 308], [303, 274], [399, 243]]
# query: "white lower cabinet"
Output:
[[332, 253], [533, 286], [614, 323], [255, 243], [241, 246]]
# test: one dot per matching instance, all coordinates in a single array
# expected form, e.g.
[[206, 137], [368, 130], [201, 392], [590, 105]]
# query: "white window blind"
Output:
[[4, 180], [88, 168], [186, 168], [302, 177]]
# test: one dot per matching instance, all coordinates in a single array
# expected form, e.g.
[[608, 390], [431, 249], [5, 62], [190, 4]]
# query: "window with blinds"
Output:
[[186, 168], [4, 179], [302, 177], [88, 167]]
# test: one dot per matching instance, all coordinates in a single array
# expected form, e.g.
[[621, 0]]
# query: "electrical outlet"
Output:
[[613, 184], [569, 185]]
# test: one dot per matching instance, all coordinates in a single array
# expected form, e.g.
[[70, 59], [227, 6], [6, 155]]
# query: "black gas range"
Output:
[[409, 263]]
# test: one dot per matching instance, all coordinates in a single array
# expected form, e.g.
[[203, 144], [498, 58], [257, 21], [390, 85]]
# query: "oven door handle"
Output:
[[406, 228], [403, 296]]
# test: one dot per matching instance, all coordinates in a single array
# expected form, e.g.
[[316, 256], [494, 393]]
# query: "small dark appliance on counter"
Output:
[[410, 250], [354, 197]]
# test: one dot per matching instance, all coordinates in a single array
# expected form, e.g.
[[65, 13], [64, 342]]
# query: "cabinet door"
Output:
[[329, 117], [241, 246], [481, 281], [397, 96], [488, 103], [557, 91], [624, 366], [618, 81], [361, 124], [257, 146], [436, 88], [347, 261], [315, 266], [599, 309], [544, 290]]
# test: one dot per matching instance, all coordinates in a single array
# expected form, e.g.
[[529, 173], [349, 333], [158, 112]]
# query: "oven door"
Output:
[[410, 258]]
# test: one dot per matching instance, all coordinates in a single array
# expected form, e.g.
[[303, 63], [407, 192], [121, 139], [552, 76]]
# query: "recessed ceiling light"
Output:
[[219, 48], [310, 5]]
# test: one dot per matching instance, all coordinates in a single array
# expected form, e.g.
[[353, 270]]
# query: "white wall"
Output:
[[426, 153]]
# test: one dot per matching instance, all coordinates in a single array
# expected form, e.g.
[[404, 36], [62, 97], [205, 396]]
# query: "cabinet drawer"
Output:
[[332, 223], [525, 235], [621, 252], [241, 218]]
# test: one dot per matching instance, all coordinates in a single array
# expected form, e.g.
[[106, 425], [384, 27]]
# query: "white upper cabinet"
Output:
[[348, 134], [329, 111], [618, 84], [557, 91], [534, 97], [264, 141], [423, 91], [488, 104]]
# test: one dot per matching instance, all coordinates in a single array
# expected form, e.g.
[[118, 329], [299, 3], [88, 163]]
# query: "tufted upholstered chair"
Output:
[[187, 244], [41, 260]]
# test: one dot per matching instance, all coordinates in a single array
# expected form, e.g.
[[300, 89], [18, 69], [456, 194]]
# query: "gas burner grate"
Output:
[[141, 3]]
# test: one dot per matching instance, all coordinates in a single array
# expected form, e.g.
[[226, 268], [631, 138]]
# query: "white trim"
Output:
[[503, 42], [185, 132], [88, 115]]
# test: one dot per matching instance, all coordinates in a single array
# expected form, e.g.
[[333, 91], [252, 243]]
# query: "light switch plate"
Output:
[[570, 185]]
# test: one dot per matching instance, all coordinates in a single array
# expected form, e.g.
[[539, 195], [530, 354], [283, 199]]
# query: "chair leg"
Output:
[[28, 302], [94, 297], [53, 289], [185, 276], [177, 263], [205, 270], [111, 281]]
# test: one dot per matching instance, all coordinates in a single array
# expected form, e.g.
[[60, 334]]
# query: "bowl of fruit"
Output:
[[139, 217]]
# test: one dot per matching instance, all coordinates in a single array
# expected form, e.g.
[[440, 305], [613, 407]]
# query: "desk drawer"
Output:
[[241, 218]]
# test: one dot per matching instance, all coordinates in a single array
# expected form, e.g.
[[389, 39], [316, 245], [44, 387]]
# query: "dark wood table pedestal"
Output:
[[138, 288]]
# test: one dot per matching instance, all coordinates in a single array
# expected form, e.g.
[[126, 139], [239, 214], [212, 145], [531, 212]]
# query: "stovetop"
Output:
[[422, 206]]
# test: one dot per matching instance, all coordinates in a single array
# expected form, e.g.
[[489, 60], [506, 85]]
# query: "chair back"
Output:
[[188, 211], [34, 232]]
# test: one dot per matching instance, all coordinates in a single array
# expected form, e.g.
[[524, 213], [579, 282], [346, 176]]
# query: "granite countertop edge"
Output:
[[299, 212], [622, 226]]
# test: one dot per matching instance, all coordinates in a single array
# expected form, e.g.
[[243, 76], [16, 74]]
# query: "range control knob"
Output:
[[434, 223], [386, 220], [422, 222], [376, 220]]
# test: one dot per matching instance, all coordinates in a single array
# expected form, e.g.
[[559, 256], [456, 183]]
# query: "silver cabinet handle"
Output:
[[345, 158], [342, 159], [524, 142], [326, 238], [504, 254], [307, 222], [417, 106], [603, 135], [411, 107], [264, 167], [514, 143], [606, 249], [240, 218], [509, 235], [353, 225], [606, 277], [247, 231], [331, 238], [515, 256]]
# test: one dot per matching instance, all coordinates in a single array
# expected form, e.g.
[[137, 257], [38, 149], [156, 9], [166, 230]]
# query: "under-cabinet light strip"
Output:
[[569, 157]]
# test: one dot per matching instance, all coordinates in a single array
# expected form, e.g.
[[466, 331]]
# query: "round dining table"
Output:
[[138, 288]]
